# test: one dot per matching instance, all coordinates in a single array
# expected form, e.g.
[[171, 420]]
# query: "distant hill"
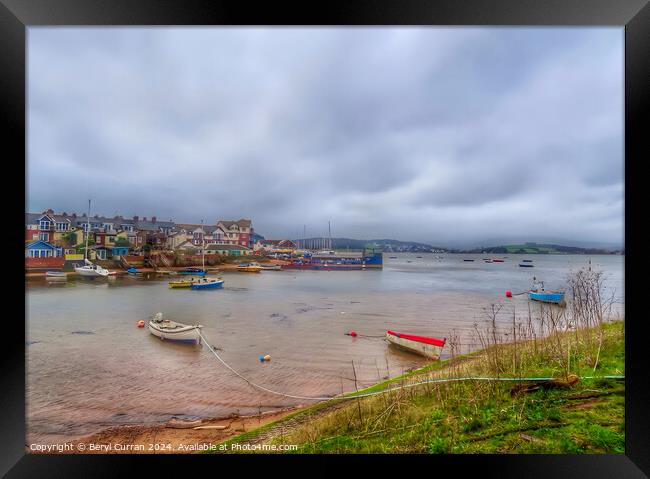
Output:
[[534, 248], [388, 245]]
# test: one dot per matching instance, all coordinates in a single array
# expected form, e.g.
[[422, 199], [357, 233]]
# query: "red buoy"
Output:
[[353, 334], [508, 294]]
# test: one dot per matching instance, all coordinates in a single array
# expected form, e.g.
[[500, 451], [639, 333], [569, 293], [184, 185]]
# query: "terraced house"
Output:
[[59, 235]]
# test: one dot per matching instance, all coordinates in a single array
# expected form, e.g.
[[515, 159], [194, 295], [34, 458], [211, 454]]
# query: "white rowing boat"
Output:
[[422, 345], [168, 330]]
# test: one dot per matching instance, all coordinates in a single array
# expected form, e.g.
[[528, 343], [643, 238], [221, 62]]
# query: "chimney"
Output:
[[136, 218], [144, 218], [50, 212], [65, 214], [74, 215], [153, 219]]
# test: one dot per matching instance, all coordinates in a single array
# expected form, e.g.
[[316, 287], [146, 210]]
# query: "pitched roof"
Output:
[[242, 223]]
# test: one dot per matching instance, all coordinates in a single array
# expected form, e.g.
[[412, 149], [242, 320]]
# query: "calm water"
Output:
[[90, 367]]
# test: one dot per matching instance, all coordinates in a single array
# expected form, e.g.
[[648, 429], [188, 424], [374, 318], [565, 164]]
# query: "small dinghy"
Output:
[[182, 283], [468, 260], [422, 345], [207, 283], [538, 293], [526, 265], [172, 331]]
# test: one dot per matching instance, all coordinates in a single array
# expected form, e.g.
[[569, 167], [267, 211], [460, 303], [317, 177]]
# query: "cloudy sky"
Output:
[[440, 135]]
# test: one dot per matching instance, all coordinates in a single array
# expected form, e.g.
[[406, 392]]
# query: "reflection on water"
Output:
[[89, 366]]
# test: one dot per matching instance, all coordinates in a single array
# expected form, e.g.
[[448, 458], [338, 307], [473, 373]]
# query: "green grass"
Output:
[[477, 417]]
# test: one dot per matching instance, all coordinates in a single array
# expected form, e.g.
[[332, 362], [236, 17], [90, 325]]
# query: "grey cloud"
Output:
[[429, 134]]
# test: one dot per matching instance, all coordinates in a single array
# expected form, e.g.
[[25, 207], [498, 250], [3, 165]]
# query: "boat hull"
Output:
[[180, 284], [188, 334], [546, 297], [522, 265], [211, 285], [56, 275], [431, 351], [91, 273], [249, 269]]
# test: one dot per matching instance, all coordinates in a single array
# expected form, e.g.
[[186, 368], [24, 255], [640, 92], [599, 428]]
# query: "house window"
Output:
[[45, 224], [61, 226], [44, 236], [111, 239]]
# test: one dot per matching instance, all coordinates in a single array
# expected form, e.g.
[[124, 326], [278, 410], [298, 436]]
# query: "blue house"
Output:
[[120, 250], [42, 249]]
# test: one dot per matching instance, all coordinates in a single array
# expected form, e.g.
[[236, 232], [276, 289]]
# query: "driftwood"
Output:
[[175, 424], [518, 389]]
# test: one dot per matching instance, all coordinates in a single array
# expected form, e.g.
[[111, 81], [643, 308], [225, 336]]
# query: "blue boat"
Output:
[[193, 271], [132, 270], [546, 297], [208, 284]]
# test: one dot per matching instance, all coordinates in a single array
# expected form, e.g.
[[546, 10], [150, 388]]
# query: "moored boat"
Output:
[[168, 330], [207, 283], [249, 267], [538, 293], [271, 267], [497, 260], [193, 271], [182, 283], [526, 265], [468, 260], [544, 297], [422, 345]]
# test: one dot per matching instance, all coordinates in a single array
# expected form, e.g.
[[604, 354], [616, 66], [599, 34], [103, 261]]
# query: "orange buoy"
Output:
[[267, 358], [508, 294], [141, 323]]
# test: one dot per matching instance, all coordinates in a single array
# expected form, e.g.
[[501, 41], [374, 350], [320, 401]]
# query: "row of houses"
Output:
[[48, 234]]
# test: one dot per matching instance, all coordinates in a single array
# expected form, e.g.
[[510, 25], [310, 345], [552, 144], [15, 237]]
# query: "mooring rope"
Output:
[[383, 391]]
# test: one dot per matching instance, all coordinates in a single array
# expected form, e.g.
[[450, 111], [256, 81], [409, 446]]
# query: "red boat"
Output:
[[497, 261], [423, 345]]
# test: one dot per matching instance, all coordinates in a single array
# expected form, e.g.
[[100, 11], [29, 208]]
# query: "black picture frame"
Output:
[[17, 15]]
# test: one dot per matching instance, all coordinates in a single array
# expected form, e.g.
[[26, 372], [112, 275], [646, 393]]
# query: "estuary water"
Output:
[[90, 367]]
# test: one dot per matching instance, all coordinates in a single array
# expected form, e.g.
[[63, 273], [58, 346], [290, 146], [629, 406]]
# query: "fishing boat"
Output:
[[538, 293], [249, 267], [168, 330], [207, 283], [544, 297], [90, 269], [422, 345], [271, 267], [56, 275]]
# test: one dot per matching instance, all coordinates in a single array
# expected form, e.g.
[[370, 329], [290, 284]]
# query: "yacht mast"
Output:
[[87, 233]]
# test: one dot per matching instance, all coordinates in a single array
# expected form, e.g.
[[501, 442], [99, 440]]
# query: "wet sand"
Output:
[[174, 437]]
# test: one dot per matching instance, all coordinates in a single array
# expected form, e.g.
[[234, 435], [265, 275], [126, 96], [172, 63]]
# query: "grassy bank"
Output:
[[575, 411], [475, 416]]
